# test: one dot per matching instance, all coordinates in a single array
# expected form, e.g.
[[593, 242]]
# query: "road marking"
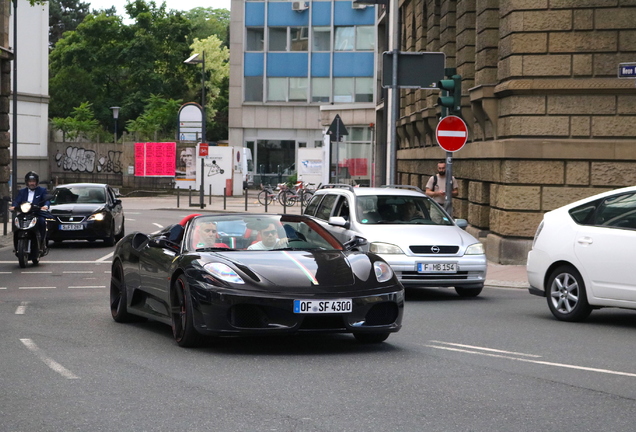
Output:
[[27, 288], [129, 219], [89, 286], [3, 287], [525, 360], [6, 272], [48, 361], [135, 213], [157, 225], [485, 349], [58, 262], [36, 272], [105, 257], [90, 271], [22, 308]]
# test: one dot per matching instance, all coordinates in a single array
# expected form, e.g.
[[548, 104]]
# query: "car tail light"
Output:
[[536, 235]]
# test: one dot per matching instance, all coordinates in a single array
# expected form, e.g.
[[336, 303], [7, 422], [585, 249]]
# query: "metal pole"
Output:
[[201, 185], [203, 123], [337, 151], [14, 161], [448, 204], [246, 193], [178, 195], [210, 196], [395, 95]]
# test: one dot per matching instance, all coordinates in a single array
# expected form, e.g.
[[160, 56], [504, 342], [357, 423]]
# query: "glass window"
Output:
[[359, 134], [274, 157], [277, 89], [254, 89], [365, 38], [298, 89], [313, 204], [617, 211], [322, 39], [299, 38], [278, 39], [345, 39], [320, 90], [583, 213], [254, 39], [343, 90], [364, 89], [325, 207]]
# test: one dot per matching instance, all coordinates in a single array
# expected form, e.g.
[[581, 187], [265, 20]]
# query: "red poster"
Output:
[[155, 159]]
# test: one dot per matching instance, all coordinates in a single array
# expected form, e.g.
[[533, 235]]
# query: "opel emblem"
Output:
[[435, 249]]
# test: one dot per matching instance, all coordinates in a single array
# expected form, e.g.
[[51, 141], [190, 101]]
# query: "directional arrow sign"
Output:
[[451, 133]]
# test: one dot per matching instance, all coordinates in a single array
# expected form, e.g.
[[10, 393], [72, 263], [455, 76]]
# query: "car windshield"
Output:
[[257, 233], [79, 195], [385, 209]]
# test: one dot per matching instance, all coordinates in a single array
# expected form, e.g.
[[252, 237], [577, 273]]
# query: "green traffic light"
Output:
[[453, 99]]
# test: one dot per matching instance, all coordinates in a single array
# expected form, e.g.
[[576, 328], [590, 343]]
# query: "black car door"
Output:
[[116, 209]]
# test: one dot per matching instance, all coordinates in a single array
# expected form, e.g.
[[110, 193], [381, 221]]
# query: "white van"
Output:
[[247, 167]]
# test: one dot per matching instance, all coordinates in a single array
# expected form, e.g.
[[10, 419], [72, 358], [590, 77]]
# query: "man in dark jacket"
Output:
[[35, 195]]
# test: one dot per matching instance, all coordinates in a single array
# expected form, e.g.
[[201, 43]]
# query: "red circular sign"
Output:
[[451, 133]]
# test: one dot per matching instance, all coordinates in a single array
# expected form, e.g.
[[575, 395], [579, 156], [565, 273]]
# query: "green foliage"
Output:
[[110, 63], [157, 120], [209, 21], [80, 124], [65, 15]]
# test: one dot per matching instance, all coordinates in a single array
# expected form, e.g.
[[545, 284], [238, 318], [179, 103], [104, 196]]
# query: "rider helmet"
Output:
[[31, 175]]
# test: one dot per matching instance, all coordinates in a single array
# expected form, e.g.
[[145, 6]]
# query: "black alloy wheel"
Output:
[[182, 322]]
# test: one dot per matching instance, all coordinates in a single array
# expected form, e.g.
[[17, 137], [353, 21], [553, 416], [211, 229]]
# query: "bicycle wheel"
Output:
[[264, 196], [307, 197], [285, 197]]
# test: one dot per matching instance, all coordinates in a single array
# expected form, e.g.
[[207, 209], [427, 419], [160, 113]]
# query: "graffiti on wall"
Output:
[[78, 159]]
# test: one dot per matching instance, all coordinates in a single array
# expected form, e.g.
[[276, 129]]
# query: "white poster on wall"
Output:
[[217, 168]]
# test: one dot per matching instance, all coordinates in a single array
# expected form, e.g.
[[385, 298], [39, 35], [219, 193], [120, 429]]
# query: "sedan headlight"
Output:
[[25, 207], [97, 216], [475, 249], [383, 271], [223, 272], [385, 248]]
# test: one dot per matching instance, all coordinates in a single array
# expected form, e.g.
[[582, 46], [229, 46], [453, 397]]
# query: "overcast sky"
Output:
[[170, 4]]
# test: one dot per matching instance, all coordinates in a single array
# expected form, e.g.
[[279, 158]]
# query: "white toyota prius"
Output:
[[584, 255]]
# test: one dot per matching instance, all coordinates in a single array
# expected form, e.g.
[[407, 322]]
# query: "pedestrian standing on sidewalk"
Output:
[[436, 185]]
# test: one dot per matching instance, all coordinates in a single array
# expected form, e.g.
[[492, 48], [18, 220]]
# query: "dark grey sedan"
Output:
[[86, 211]]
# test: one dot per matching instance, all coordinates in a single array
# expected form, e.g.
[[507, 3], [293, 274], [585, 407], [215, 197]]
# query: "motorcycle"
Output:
[[27, 241]]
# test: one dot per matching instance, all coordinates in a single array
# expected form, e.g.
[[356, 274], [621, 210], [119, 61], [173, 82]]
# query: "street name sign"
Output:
[[451, 133], [627, 70]]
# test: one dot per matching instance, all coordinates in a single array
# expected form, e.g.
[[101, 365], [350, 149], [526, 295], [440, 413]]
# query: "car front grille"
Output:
[[70, 219], [435, 249], [382, 314]]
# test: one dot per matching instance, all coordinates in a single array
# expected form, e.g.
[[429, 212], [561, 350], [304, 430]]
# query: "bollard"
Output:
[[189, 196], [210, 196], [201, 201], [224, 198], [246, 193], [178, 194], [266, 199]]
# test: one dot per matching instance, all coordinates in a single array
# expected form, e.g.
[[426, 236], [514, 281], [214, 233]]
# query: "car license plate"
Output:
[[71, 227], [323, 306], [437, 267]]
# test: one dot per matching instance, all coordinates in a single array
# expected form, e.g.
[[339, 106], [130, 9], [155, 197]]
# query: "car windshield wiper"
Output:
[[213, 249]]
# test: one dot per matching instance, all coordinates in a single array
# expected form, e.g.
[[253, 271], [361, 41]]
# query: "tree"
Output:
[[209, 21], [65, 15], [217, 70], [81, 124], [158, 119]]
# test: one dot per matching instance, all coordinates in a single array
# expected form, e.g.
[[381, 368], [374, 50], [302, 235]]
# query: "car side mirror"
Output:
[[339, 221], [117, 202], [462, 223], [355, 242]]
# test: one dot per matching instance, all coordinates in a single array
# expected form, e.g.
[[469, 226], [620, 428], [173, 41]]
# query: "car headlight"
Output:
[[383, 271], [25, 207], [97, 216], [385, 248], [475, 249], [223, 272]]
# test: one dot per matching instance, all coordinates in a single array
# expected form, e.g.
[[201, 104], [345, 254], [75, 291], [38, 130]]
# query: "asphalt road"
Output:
[[497, 362]]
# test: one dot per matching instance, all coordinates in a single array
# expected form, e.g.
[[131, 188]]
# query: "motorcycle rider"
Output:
[[35, 195]]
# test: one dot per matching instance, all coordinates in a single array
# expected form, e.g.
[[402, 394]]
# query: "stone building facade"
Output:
[[549, 121], [6, 55]]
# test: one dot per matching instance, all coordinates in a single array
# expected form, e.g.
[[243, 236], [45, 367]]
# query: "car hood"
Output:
[[76, 209], [320, 271], [405, 235]]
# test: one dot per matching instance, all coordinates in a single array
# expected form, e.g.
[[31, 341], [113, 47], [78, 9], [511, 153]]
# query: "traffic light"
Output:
[[453, 87]]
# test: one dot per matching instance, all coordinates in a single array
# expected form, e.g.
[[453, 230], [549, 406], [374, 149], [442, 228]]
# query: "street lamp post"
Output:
[[394, 101], [14, 160], [115, 116], [193, 60]]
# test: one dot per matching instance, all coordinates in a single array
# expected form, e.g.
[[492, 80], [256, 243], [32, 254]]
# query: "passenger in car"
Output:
[[206, 235], [269, 239]]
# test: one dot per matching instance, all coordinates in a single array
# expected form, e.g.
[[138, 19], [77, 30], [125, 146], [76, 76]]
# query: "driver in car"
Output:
[[269, 240], [411, 212]]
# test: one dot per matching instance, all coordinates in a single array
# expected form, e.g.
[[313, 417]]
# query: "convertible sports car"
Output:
[[253, 274]]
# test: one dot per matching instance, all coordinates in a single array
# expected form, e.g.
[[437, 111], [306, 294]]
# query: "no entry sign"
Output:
[[451, 133]]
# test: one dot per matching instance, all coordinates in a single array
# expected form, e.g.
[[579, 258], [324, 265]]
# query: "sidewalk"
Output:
[[504, 276]]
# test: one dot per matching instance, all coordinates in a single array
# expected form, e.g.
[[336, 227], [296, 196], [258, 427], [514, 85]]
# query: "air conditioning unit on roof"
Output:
[[355, 5], [300, 6]]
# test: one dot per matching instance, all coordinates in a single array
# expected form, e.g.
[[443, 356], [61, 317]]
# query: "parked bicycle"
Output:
[[267, 195], [301, 192]]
